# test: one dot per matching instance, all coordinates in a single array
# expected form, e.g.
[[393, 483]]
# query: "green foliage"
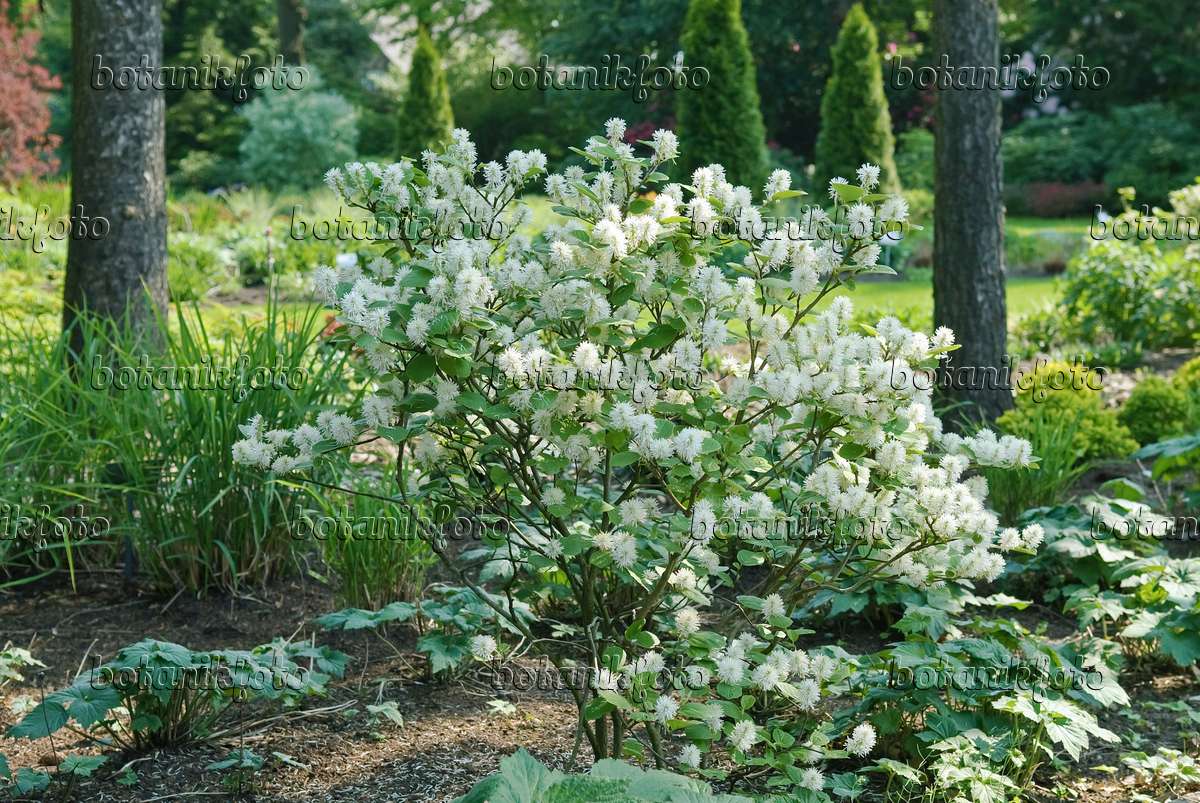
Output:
[[242, 765], [450, 615], [1000, 697], [1156, 410], [855, 124], [914, 160], [1055, 433], [382, 558], [12, 661], [426, 118], [296, 135], [721, 122], [1058, 394], [1176, 459], [157, 694], [196, 265], [1119, 292], [523, 779], [157, 461], [1152, 146]]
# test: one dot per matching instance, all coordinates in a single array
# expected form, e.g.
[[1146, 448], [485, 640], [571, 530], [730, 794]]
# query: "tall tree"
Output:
[[721, 122], [855, 124], [968, 215], [425, 116], [118, 167], [291, 30]]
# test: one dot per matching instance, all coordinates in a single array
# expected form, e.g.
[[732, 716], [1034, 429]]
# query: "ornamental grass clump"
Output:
[[524, 377]]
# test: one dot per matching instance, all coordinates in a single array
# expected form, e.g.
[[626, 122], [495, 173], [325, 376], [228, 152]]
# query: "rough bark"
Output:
[[291, 30], [118, 168], [968, 241]]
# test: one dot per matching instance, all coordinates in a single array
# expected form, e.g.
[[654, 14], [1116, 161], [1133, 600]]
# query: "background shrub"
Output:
[[1156, 410], [721, 123], [914, 159], [1098, 433], [425, 116], [296, 135], [855, 124]]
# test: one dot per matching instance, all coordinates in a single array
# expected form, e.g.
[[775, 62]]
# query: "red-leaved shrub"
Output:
[[26, 149]]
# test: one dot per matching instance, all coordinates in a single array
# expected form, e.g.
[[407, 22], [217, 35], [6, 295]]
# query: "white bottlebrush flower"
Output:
[[1032, 536], [861, 741], [606, 680], [812, 779], [743, 736], [665, 708], [614, 129], [687, 622], [484, 648], [553, 495], [378, 411], [688, 443], [773, 606], [633, 512], [689, 756], [704, 521], [666, 145], [868, 176], [731, 669]]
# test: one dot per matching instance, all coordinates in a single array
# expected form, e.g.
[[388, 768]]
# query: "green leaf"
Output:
[[658, 337], [85, 704], [524, 779], [83, 766], [39, 723], [28, 781], [5, 772], [622, 459], [420, 368]]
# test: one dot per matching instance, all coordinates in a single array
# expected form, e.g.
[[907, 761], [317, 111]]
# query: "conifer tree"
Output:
[[426, 119], [721, 122], [855, 124]]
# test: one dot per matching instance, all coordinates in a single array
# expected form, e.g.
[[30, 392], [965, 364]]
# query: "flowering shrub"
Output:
[[524, 377]]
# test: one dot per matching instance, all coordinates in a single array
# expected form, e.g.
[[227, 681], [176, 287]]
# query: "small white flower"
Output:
[[868, 176], [773, 606], [553, 496], [665, 709], [484, 648], [861, 741], [812, 779], [743, 736], [687, 622], [689, 756]]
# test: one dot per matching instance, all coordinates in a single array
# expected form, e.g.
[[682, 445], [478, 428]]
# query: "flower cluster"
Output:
[[615, 487]]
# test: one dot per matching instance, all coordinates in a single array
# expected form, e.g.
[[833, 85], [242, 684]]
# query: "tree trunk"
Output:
[[118, 170], [968, 213], [291, 30]]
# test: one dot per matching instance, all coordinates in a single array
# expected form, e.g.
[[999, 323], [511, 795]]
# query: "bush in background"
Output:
[[425, 116], [296, 135], [26, 147], [855, 124], [1156, 410], [914, 159], [721, 123]]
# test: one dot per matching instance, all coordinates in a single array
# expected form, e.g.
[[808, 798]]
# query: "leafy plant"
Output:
[[524, 778], [156, 693], [856, 127], [12, 661], [245, 765], [1155, 411], [449, 619], [483, 355]]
